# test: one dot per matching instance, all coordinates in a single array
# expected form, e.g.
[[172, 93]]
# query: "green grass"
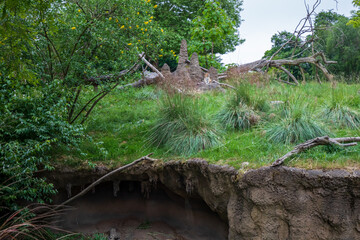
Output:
[[296, 123], [121, 123], [183, 127]]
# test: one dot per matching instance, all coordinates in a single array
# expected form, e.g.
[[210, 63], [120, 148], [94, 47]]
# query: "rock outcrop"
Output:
[[266, 203]]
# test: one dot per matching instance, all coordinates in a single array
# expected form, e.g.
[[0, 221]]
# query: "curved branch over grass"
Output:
[[342, 142], [97, 182]]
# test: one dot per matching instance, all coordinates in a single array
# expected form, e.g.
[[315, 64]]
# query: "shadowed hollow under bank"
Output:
[[197, 200]]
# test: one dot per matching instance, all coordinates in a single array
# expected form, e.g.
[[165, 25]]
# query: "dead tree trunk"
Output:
[[317, 60]]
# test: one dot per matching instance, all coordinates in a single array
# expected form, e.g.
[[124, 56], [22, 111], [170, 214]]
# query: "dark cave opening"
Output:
[[134, 210]]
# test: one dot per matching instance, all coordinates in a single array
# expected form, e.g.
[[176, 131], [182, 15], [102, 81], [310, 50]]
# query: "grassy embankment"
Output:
[[120, 127]]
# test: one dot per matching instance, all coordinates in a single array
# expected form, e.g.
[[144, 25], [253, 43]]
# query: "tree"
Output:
[[210, 29], [355, 20], [293, 48], [176, 16], [339, 41], [51, 51], [80, 42], [286, 45]]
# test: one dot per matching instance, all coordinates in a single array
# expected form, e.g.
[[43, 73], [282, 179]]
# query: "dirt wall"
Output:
[[266, 203]]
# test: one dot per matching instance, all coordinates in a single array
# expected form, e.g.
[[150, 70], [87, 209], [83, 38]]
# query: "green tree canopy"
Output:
[[209, 30], [288, 50], [176, 17], [355, 20], [339, 41]]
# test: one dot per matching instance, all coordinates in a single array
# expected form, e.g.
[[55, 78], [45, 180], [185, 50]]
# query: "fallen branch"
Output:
[[97, 182], [151, 66], [224, 84], [279, 63], [342, 142]]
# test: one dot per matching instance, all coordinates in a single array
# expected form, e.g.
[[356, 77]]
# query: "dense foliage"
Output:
[[32, 122], [355, 20], [208, 32], [54, 53], [339, 41], [176, 17]]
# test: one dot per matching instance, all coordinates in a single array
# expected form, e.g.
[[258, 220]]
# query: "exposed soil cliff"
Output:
[[266, 203]]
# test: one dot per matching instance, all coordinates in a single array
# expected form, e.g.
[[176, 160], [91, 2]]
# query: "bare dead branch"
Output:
[[342, 142], [224, 84], [289, 74], [97, 182], [279, 63], [151, 66]]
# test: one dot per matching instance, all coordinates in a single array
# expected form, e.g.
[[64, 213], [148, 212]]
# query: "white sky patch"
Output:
[[264, 18]]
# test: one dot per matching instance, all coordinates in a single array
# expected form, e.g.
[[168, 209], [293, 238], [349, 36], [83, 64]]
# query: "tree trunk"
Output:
[[315, 60]]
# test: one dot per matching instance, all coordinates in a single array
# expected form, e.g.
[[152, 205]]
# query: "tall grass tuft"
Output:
[[295, 125], [237, 113], [338, 112], [31, 222], [240, 116], [183, 126], [342, 116]]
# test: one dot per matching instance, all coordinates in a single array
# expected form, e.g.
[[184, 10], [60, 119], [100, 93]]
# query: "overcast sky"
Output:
[[264, 18]]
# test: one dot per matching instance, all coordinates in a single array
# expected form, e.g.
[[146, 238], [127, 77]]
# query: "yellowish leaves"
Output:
[[73, 28], [155, 6], [162, 30], [146, 22], [122, 27], [110, 18], [79, 10], [129, 44]]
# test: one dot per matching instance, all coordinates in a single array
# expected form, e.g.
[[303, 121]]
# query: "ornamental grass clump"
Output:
[[183, 126], [295, 125], [240, 117], [342, 116], [237, 114]]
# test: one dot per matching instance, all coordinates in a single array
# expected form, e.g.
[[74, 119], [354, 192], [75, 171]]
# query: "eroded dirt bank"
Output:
[[267, 203]]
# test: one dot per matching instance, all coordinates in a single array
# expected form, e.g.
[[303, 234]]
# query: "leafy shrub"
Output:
[[32, 122], [295, 125], [183, 126]]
